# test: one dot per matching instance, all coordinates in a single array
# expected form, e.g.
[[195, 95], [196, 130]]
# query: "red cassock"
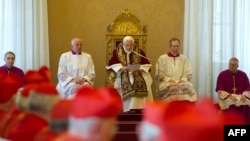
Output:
[[67, 137], [8, 118], [46, 135], [26, 127], [2, 112]]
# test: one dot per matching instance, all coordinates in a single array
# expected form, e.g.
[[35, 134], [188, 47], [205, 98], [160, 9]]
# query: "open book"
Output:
[[134, 67]]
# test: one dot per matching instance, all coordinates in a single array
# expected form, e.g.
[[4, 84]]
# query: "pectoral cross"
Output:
[[234, 88]]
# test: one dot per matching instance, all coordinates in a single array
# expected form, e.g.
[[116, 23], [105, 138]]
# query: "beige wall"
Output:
[[88, 19]]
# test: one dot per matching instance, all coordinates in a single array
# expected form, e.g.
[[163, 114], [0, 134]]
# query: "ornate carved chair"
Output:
[[124, 24]]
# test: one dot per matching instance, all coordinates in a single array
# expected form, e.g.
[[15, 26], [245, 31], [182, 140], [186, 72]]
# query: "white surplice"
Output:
[[176, 68]]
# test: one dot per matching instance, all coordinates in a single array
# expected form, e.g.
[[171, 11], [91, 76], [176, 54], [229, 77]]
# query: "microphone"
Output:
[[158, 71], [144, 56]]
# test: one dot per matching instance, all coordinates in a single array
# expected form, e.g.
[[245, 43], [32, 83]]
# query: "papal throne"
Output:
[[124, 24]]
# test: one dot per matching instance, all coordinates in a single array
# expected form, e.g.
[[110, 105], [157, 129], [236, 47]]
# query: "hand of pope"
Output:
[[124, 69]]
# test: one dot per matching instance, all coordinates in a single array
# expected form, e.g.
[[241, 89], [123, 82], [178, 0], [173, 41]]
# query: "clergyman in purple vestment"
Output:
[[9, 68], [233, 88]]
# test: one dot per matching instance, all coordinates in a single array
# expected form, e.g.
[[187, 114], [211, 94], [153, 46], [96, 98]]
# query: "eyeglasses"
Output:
[[128, 45]]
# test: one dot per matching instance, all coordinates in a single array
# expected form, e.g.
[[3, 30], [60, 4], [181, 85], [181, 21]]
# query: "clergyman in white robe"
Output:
[[176, 68], [74, 66]]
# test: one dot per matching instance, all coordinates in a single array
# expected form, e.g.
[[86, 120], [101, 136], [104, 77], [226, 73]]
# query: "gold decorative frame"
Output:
[[124, 24]]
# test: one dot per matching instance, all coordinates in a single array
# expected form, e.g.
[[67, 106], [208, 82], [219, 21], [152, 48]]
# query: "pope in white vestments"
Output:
[[173, 71], [133, 80], [76, 69]]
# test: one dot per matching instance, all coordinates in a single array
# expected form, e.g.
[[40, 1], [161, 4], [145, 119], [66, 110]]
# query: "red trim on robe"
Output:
[[76, 53], [172, 55]]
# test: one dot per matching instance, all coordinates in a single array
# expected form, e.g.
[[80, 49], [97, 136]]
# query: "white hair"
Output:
[[21, 101], [148, 131], [74, 39], [81, 127], [128, 38]]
